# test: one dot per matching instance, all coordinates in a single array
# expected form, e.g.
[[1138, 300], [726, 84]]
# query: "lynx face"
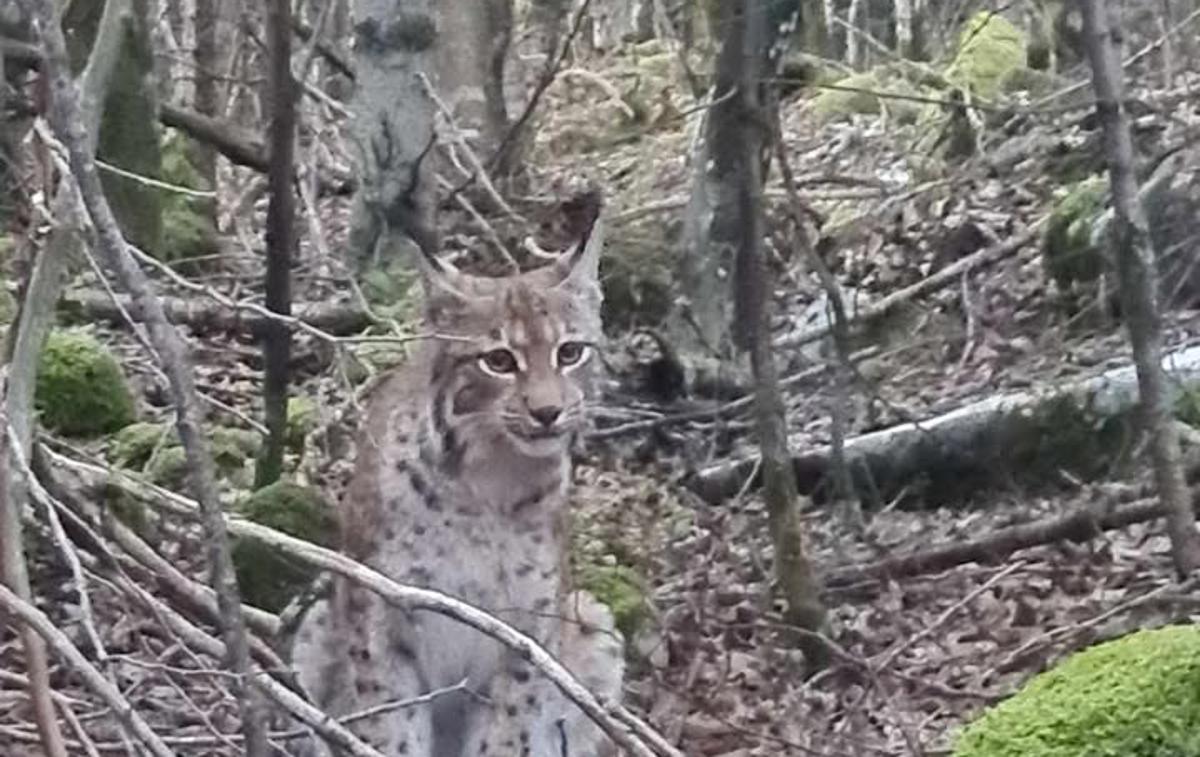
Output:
[[515, 354]]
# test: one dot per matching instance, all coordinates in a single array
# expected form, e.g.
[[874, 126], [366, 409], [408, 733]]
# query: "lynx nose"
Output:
[[546, 415]]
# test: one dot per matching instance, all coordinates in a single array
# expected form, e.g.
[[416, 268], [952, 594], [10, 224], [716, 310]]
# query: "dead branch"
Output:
[[26, 340], [67, 119], [121, 708], [1078, 526], [210, 317], [238, 145], [943, 278], [610, 717]]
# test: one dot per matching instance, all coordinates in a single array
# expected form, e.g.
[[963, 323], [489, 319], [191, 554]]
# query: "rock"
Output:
[[133, 445], [81, 389], [189, 231], [269, 579], [302, 418], [990, 51], [1133, 696]]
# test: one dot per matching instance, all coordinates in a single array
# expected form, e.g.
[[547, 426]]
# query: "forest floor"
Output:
[[713, 666]]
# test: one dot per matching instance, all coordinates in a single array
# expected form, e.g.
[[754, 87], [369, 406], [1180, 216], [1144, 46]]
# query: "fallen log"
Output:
[[1081, 427], [1078, 526], [204, 316]]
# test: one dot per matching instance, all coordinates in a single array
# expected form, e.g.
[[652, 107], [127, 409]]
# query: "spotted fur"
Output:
[[460, 485]]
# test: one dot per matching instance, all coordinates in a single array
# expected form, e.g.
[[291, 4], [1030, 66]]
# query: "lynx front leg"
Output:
[[593, 650], [350, 668]]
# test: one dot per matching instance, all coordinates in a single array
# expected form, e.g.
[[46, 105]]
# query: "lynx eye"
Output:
[[571, 353], [500, 362]]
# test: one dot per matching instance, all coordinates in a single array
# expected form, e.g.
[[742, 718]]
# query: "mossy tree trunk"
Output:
[[471, 58], [129, 133], [743, 121]]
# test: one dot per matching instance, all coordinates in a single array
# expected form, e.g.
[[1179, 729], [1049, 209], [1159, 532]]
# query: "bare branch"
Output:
[[66, 117]]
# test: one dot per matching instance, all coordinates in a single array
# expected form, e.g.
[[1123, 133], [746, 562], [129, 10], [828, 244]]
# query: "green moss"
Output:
[[268, 578], [167, 467], [155, 448], [133, 445], [990, 50], [189, 229], [81, 389], [1187, 406], [302, 420], [1069, 253], [1138, 696], [883, 89], [623, 590]]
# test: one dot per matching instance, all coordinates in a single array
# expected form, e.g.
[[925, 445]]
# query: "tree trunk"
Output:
[[742, 126], [1136, 274], [281, 239], [394, 43], [207, 96], [473, 40], [129, 135]]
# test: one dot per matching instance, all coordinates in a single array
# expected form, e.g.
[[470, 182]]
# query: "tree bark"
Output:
[[67, 120], [471, 54], [745, 127], [395, 42], [1137, 278], [207, 101], [281, 240]]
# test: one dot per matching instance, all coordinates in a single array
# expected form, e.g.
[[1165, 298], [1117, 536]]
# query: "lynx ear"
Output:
[[583, 260]]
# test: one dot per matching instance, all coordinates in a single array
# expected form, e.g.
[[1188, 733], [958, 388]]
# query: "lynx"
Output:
[[460, 486]]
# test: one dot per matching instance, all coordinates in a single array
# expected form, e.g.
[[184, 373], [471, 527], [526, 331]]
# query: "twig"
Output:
[[400, 595], [1131, 60], [945, 277], [477, 168], [942, 619], [66, 116], [93, 678], [43, 498], [549, 74], [487, 228]]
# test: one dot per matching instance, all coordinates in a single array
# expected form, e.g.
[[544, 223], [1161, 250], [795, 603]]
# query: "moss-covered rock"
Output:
[[1138, 696], [81, 389], [302, 418], [1070, 252], [167, 467], [623, 590], [133, 445], [189, 230], [990, 50], [155, 449], [268, 578]]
